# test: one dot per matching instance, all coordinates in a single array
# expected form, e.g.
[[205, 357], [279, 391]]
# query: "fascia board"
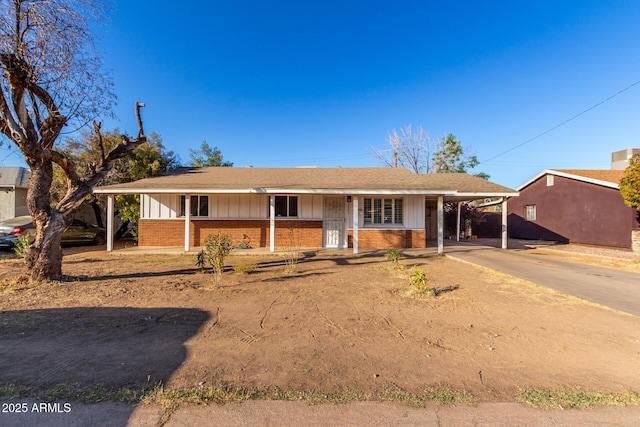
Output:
[[569, 176], [271, 191]]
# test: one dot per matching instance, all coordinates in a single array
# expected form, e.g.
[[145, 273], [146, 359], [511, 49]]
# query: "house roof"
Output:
[[14, 177], [604, 177], [312, 180]]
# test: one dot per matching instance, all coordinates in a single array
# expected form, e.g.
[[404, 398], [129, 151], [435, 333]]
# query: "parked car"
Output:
[[79, 232]]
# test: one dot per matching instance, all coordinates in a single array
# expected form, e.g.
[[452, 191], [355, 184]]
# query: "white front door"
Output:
[[334, 222]]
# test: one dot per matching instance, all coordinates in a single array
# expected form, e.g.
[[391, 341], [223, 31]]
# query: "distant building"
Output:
[[14, 183], [573, 206], [620, 159]]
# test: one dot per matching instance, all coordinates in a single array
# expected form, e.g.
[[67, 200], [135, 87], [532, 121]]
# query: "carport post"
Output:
[[458, 223], [505, 234], [355, 224], [440, 225], [109, 222], [187, 222], [272, 224]]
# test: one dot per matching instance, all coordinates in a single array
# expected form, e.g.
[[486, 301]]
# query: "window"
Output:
[[286, 206], [383, 211], [530, 212], [199, 206]]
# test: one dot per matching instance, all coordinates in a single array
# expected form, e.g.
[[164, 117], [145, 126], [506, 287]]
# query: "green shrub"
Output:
[[419, 280], [21, 245], [393, 256], [217, 247], [243, 268]]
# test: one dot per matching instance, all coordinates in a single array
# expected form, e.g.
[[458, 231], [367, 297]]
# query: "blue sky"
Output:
[[289, 83]]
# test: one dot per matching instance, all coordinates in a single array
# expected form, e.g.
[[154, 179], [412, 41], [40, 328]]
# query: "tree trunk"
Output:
[[44, 259], [97, 212], [122, 230]]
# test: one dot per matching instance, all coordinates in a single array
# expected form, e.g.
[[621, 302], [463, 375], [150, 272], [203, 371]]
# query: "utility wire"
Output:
[[562, 124]]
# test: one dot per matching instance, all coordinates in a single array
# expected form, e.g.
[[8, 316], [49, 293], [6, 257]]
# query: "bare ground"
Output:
[[341, 322]]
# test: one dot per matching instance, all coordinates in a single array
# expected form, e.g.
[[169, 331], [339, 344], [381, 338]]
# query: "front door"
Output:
[[334, 223]]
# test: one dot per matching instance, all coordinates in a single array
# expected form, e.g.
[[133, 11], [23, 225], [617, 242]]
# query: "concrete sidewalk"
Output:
[[613, 288], [278, 413]]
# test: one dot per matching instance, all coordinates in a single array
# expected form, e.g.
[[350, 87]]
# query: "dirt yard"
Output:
[[341, 322]]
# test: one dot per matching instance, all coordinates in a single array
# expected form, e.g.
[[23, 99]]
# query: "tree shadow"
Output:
[[87, 347]]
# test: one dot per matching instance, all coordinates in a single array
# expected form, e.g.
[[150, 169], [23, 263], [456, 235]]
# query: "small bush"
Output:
[[292, 251], [393, 256], [217, 247], [21, 245], [419, 280], [243, 268]]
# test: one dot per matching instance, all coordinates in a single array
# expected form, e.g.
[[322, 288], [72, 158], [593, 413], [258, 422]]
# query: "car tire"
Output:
[[99, 239]]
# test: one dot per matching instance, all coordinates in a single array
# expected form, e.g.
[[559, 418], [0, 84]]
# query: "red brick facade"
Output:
[[306, 234], [388, 239], [171, 232]]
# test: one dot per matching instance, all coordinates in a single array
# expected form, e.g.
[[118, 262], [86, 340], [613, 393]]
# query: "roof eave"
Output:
[[262, 190], [570, 176]]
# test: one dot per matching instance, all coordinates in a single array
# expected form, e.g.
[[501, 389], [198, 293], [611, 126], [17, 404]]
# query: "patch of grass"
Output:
[[443, 395], [170, 399], [200, 395], [575, 398], [244, 268], [99, 393], [14, 284]]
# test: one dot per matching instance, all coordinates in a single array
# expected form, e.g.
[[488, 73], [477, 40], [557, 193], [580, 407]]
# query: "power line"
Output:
[[563, 123]]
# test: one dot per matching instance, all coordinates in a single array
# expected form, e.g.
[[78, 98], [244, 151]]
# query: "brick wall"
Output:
[[387, 239], [160, 232], [171, 232]]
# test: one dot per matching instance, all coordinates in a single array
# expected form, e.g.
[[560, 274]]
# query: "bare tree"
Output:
[[418, 152], [51, 79], [407, 148]]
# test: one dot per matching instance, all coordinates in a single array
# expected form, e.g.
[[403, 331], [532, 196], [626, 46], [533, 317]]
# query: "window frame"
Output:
[[530, 213], [198, 204], [291, 209], [383, 211]]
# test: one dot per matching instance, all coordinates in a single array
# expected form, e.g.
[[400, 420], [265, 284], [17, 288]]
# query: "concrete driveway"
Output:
[[613, 288]]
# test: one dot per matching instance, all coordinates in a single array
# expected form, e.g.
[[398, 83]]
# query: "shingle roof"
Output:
[[613, 176], [604, 177], [309, 180], [14, 176]]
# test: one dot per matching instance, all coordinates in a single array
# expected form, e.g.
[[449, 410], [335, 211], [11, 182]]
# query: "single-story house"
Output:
[[578, 206], [14, 184], [322, 207]]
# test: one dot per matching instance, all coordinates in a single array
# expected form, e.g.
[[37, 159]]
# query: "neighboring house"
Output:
[[318, 207], [577, 206], [14, 184]]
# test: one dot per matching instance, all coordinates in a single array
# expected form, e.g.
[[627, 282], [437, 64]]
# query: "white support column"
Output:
[[505, 234], [272, 224], [187, 222], [458, 223], [110, 222], [440, 225], [355, 224]]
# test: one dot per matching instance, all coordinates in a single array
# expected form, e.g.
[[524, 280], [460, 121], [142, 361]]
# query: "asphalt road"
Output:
[[613, 288]]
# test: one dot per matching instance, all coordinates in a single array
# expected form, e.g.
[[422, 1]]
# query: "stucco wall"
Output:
[[13, 203], [572, 211]]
